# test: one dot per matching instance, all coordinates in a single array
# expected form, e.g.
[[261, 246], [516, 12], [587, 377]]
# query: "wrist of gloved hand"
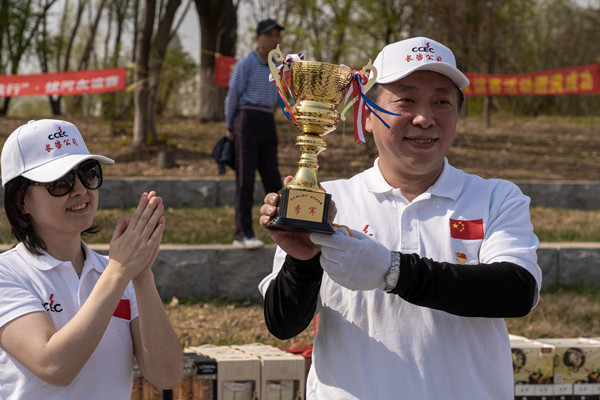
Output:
[[357, 263]]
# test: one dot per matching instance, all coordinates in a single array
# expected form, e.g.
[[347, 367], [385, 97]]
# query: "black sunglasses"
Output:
[[89, 173]]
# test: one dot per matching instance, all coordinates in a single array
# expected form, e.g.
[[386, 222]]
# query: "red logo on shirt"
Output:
[[51, 305], [123, 310], [467, 230]]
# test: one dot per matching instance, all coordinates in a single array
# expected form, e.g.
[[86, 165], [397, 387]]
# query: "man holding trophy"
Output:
[[412, 286]]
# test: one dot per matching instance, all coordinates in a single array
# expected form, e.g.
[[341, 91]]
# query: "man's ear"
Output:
[[368, 119]]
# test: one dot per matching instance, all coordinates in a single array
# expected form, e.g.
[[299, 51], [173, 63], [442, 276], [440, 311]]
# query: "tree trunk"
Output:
[[56, 101], [148, 69], [4, 107], [55, 105], [142, 114], [89, 46], [218, 27], [159, 49], [487, 108]]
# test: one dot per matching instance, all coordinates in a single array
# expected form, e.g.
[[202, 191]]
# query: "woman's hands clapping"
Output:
[[136, 240]]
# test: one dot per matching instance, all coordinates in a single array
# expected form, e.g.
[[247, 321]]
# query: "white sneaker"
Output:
[[249, 243]]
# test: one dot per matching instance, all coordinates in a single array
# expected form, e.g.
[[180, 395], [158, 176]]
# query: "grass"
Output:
[[216, 225], [566, 225], [183, 226], [559, 314]]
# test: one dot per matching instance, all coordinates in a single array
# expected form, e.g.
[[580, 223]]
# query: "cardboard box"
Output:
[[533, 368], [142, 389], [204, 381], [576, 368], [238, 373], [185, 390], [283, 375]]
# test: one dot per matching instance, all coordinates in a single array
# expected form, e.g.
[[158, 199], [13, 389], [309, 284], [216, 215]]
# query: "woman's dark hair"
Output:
[[373, 94], [20, 224]]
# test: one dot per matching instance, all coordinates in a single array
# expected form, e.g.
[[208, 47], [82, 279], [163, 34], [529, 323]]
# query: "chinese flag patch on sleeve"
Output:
[[468, 230], [123, 310]]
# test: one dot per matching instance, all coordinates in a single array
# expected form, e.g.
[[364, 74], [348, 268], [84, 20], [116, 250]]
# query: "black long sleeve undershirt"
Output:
[[291, 299], [496, 290]]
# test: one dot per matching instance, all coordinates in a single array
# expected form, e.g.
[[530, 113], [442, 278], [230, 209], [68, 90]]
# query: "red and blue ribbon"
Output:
[[359, 80], [285, 65]]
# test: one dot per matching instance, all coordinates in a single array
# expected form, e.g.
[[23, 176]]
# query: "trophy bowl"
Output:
[[316, 90]]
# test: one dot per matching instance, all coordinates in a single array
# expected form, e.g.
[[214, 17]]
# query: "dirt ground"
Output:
[[542, 148]]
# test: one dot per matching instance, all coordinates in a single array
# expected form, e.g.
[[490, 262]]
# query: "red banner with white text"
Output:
[[64, 83], [584, 79], [575, 80]]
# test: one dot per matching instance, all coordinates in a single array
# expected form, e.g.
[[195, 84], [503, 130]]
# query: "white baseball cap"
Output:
[[44, 151], [397, 60]]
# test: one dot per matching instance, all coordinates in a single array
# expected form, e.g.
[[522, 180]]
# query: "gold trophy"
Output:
[[317, 89]]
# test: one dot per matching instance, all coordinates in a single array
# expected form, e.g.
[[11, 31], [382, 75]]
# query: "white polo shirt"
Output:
[[30, 283], [375, 345]]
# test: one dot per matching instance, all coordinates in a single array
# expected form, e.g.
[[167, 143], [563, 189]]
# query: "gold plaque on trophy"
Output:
[[316, 90]]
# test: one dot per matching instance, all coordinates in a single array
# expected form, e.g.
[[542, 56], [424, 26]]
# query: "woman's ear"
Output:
[[23, 207]]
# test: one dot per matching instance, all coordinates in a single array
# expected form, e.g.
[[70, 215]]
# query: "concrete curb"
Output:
[[216, 192], [223, 271], [208, 272]]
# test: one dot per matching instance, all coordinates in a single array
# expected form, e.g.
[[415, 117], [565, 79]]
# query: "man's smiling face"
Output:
[[417, 141]]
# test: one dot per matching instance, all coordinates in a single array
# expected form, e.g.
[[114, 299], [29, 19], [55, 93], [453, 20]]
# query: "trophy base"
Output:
[[303, 210]]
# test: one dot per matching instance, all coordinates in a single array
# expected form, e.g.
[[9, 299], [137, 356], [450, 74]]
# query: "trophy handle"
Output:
[[370, 83], [278, 56], [372, 80]]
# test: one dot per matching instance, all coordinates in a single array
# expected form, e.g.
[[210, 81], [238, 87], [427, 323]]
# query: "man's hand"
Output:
[[357, 263], [297, 244]]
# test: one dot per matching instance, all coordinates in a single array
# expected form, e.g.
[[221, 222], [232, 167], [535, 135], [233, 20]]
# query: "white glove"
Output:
[[357, 263]]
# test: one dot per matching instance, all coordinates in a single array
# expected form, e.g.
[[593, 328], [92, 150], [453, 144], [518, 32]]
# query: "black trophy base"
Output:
[[288, 224], [294, 202]]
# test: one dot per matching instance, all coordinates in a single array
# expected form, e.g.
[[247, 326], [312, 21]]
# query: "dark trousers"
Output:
[[255, 140]]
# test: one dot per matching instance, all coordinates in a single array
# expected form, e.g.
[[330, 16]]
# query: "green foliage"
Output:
[[30, 107], [506, 37], [178, 70]]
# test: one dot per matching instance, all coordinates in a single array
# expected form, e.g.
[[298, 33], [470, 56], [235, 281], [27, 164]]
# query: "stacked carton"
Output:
[[533, 368], [205, 380], [144, 390], [544, 369], [237, 373], [282, 373], [576, 368]]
